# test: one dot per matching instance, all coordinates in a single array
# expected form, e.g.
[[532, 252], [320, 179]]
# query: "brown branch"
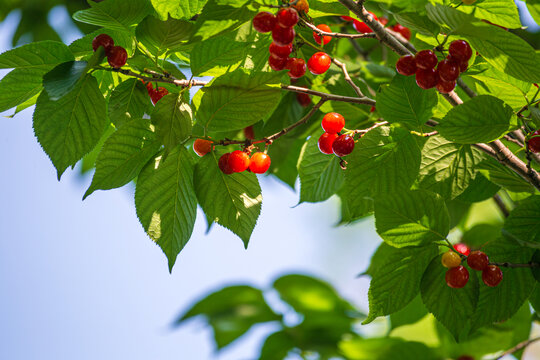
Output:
[[516, 266], [520, 346], [337, 35], [507, 158], [161, 78], [364, 131], [466, 88], [362, 100], [348, 77], [512, 140], [501, 205]]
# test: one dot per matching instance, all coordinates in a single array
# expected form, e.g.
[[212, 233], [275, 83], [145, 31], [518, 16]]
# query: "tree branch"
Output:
[[520, 346], [362, 100], [337, 35], [501, 205], [516, 266], [348, 78]]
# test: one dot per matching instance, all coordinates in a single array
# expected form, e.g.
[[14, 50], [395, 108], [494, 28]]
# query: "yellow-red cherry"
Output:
[[238, 161], [264, 22], [343, 145], [457, 277], [319, 63], [117, 57], [406, 65], [297, 67], [202, 146], [478, 260], [260, 163], [325, 143], [325, 38], [223, 164], [103, 40], [451, 259], [492, 275], [333, 122]]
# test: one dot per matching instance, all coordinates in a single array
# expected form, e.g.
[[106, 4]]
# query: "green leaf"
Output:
[[396, 278], [417, 22], [534, 9], [411, 218], [129, 100], [481, 119], [321, 8], [505, 91], [504, 177], [535, 299], [405, 103], [178, 9], [448, 16], [161, 36], [115, 14], [64, 78], [231, 312], [452, 307], [523, 223], [70, 127], [277, 346], [320, 174], [38, 55], [500, 12], [173, 119], [165, 201], [236, 100], [479, 189], [214, 57], [447, 168], [123, 155], [233, 201], [19, 86], [410, 314], [384, 349]]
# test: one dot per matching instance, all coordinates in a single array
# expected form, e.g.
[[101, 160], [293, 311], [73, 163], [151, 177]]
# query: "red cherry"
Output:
[[406, 65], [303, 99], [260, 162], [427, 79], [457, 277], [325, 143], [478, 260], [404, 31], [373, 109], [264, 22], [283, 36], [333, 123], [462, 249], [156, 95], [534, 142], [465, 357], [448, 70], [202, 147], [383, 20], [460, 50], [117, 57], [318, 63], [361, 27], [325, 39], [297, 67], [463, 65], [492, 275], [426, 59], [279, 51], [103, 40], [444, 87], [287, 17], [223, 164], [277, 63], [343, 145], [346, 18], [249, 133], [238, 161]]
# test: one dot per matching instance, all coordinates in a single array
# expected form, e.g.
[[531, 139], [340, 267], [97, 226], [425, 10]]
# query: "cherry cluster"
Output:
[[363, 28], [116, 55], [432, 73], [331, 142], [457, 275]]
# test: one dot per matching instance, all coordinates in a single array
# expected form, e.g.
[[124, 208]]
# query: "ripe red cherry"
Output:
[[383, 20], [202, 147], [223, 164], [103, 40], [444, 87], [361, 27], [260, 162], [448, 70], [373, 109], [238, 161], [343, 145], [404, 31], [492, 275], [426, 59], [279, 51], [346, 18], [460, 50], [462, 249], [303, 99], [297, 67], [264, 22], [287, 17], [283, 36], [463, 65], [325, 143], [325, 39], [534, 142], [318, 63], [249, 133], [117, 57], [457, 277], [277, 63], [478, 260], [156, 95], [427, 79], [465, 357], [406, 65], [333, 123]]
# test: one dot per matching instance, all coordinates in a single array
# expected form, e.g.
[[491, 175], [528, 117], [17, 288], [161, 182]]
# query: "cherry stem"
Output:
[[520, 346], [501, 205]]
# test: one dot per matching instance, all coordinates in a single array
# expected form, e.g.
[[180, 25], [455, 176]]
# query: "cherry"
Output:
[[383, 20], [325, 143], [103, 40], [264, 22], [406, 65], [223, 164], [478, 260], [283, 36], [463, 65], [279, 51], [462, 249], [460, 50], [427, 79], [343, 145], [492, 275], [426, 59], [373, 109], [534, 142], [325, 39], [361, 26], [277, 63], [202, 146], [333, 123], [404, 31], [301, 5], [156, 95], [451, 259], [318, 63], [303, 99], [117, 57], [260, 162], [249, 133], [346, 18], [448, 70], [287, 17], [238, 161], [296, 67], [444, 87], [465, 357], [457, 277]]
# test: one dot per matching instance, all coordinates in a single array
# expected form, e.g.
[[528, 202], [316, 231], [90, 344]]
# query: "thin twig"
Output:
[[363, 100], [364, 131], [348, 77], [512, 140], [516, 266], [337, 35], [521, 345], [501, 205]]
